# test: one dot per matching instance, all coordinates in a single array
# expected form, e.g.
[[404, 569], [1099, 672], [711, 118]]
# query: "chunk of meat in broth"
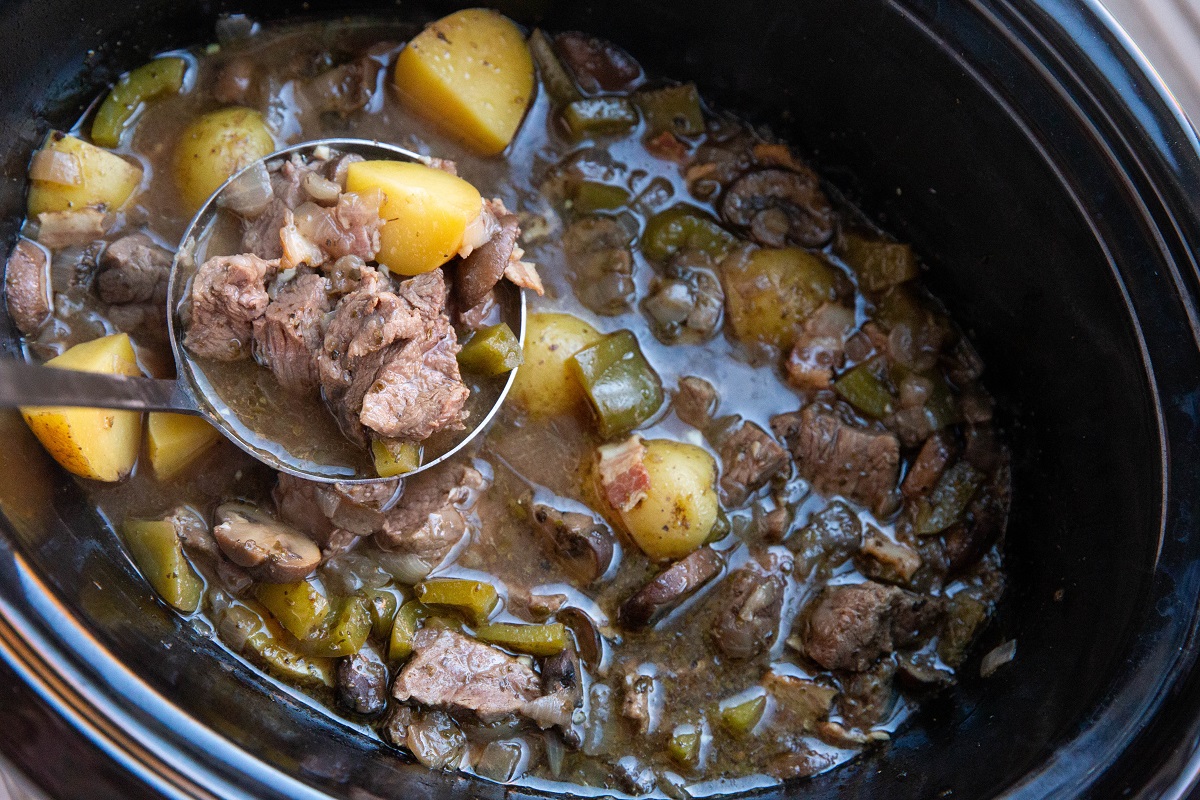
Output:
[[228, 294], [288, 336], [749, 458], [751, 603], [434, 513], [133, 269], [848, 627]]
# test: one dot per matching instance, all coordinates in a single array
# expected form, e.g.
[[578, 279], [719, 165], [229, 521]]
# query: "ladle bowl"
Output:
[[192, 391]]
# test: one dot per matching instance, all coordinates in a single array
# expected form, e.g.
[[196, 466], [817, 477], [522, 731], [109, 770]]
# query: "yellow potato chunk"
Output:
[[214, 147], [771, 293], [79, 175], [471, 75], [427, 212], [545, 384], [173, 441], [680, 507], [90, 442]]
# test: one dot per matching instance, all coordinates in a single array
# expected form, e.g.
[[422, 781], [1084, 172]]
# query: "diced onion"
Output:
[[320, 189], [249, 194]]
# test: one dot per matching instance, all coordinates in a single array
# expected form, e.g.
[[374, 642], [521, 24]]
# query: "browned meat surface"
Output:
[[431, 516], [849, 626], [867, 696], [27, 286], [928, 466], [749, 458], [362, 684], [479, 272], [600, 264], [780, 207], [228, 294], [838, 458], [260, 234], [288, 336], [388, 362], [133, 269], [695, 402], [751, 603], [319, 509], [346, 88], [452, 671], [831, 536], [670, 588], [598, 66]]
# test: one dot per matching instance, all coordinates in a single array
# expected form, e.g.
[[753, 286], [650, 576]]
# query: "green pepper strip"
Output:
[[536, 640], [622, 387], [161, 76], [404, 628], [158, 553], [674, 108], [684, 227], [344, 632], [741, 718], [491, 351], [300, 607], [684, 746], [865, 389], [593, 196], [475, 600], [599, 115], [558, 82]]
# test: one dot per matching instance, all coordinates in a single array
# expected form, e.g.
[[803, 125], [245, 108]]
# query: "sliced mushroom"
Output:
[[562, 688], [271, 551], [484, 268], [581, 542], [588, 640], [780, 206], [670, 588], [362, 682]]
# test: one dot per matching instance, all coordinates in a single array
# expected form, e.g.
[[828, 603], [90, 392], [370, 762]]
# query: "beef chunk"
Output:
[[850, 626], [134, 269], [867, 696], [695, 402], [362, 684], [27, 286], [935, 455], [838, 458], [831, 536], [750, 606], [598, 66], [388, 362], [800, 704], [288, 336], [228, 294], [260, 234], [431, 516], [749, 458], [479, 272], [601, 264], [455, 672], [669, 588], [320, 509], [346, 88]]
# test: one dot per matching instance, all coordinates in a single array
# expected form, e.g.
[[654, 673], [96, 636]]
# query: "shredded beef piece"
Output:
[[849, 626], [749, 458], [431, 517], [27, 286], [322, 510], [228, 294], [388, 361], [452, 671], [288, 336], [838, 458], [751, 604], [695, 402], [133, 269]]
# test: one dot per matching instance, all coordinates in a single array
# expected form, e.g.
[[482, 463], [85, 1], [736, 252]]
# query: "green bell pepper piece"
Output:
[[395, 458], [558, 82], [536, 640], [675, 109], [158, 553], [491, 351], [596, 116], [300, 607], [161, 76], [946, 503], [685, 227], [382, 605], [266, 644], [404, 628], [344, 631], [878, 263], [593, 196], [621, 386], [475, 600], [684, 746], [865, 388], [740, 718]]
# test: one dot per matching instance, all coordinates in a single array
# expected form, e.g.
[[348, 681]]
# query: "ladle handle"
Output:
[[23, 384]]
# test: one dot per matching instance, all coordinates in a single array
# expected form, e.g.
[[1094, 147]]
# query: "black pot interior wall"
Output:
[[900, 124]]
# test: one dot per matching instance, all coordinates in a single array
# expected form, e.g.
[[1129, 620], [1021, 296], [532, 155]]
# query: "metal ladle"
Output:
[[24, 384]]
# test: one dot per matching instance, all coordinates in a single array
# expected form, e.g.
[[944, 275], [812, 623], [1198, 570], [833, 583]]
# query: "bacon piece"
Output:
[[623, 474]]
